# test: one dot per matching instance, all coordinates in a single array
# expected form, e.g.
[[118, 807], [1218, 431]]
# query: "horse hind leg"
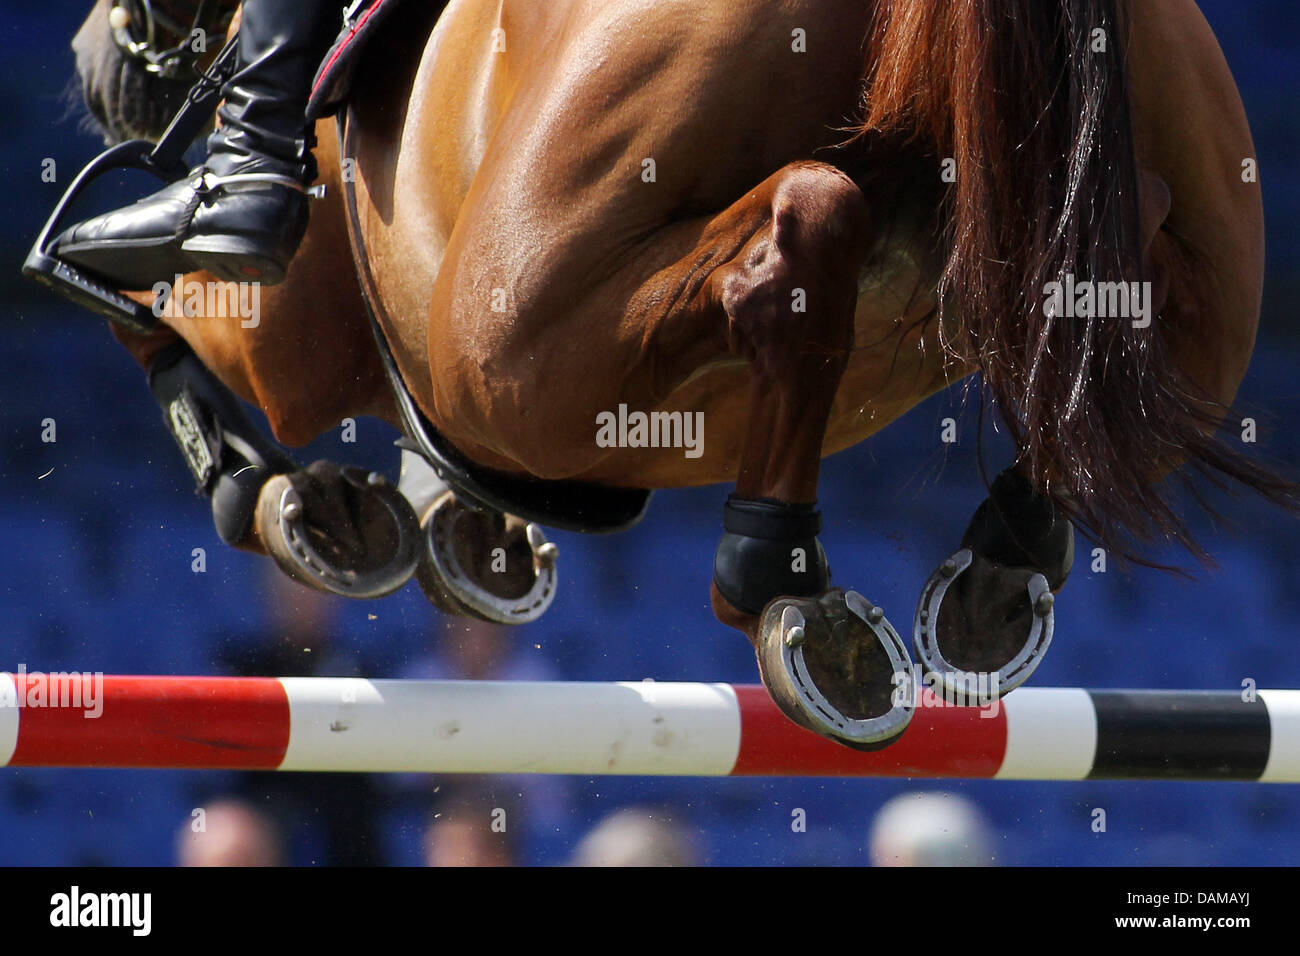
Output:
[[830, 659], [985, 618]]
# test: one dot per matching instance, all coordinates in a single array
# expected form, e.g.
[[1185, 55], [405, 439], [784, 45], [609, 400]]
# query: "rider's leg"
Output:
[[243, 213]]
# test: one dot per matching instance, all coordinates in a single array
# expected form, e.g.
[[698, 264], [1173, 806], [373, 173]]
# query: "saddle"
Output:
[[361, 23]]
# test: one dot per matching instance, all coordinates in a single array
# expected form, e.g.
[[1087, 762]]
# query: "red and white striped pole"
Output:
[[647, 728]]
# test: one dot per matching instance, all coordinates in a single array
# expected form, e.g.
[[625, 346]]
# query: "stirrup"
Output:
[[164, 160]]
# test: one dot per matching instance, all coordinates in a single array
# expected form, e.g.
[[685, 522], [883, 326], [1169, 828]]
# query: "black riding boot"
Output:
[[243, 213]]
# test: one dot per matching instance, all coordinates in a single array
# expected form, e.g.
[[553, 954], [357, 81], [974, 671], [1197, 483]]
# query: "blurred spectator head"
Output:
[[228, 833], [930, 829], [298, 614], [637, 837], [471, 829]]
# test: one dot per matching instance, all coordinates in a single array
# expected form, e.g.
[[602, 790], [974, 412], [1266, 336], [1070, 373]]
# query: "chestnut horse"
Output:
[[799, 218]]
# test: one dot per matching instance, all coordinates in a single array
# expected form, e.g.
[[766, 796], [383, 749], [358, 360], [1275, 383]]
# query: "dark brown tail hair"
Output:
[[1046, 185]]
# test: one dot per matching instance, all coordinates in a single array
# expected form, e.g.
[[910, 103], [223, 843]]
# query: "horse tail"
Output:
[[1029, 100]]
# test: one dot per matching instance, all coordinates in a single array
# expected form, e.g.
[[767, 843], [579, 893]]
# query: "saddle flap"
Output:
[[361, 21]]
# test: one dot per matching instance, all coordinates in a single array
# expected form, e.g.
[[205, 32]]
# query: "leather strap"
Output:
[[771, 519], [769, 550]]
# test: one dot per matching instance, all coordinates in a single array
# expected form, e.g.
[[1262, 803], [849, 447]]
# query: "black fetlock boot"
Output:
[[242, 214]]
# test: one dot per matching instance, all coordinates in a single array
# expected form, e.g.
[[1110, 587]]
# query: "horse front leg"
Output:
[[830, 659], [771, 279], [985, 618], [341, 530]]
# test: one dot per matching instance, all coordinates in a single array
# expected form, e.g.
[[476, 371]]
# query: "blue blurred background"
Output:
[[95, 574]]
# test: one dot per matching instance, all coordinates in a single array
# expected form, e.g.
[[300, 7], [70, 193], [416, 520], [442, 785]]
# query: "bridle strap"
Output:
[[149, 20]]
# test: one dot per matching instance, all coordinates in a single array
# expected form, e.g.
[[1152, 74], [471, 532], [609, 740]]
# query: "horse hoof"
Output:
[[836, 666], [982, 625], [346, 531], [486, 565]]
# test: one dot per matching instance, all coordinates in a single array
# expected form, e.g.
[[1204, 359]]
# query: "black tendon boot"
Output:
[[242, 214]]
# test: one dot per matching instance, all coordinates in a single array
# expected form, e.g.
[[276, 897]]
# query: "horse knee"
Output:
[[818, 210]]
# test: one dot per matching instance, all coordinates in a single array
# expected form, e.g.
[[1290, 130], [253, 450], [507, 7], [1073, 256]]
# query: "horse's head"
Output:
[[136, 59]]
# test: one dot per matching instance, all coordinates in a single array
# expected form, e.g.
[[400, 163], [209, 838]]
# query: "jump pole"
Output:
[[647, 728]]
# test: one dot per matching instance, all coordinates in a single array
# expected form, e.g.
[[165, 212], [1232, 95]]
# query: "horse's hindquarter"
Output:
[[717, 96], [1191, 129]]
